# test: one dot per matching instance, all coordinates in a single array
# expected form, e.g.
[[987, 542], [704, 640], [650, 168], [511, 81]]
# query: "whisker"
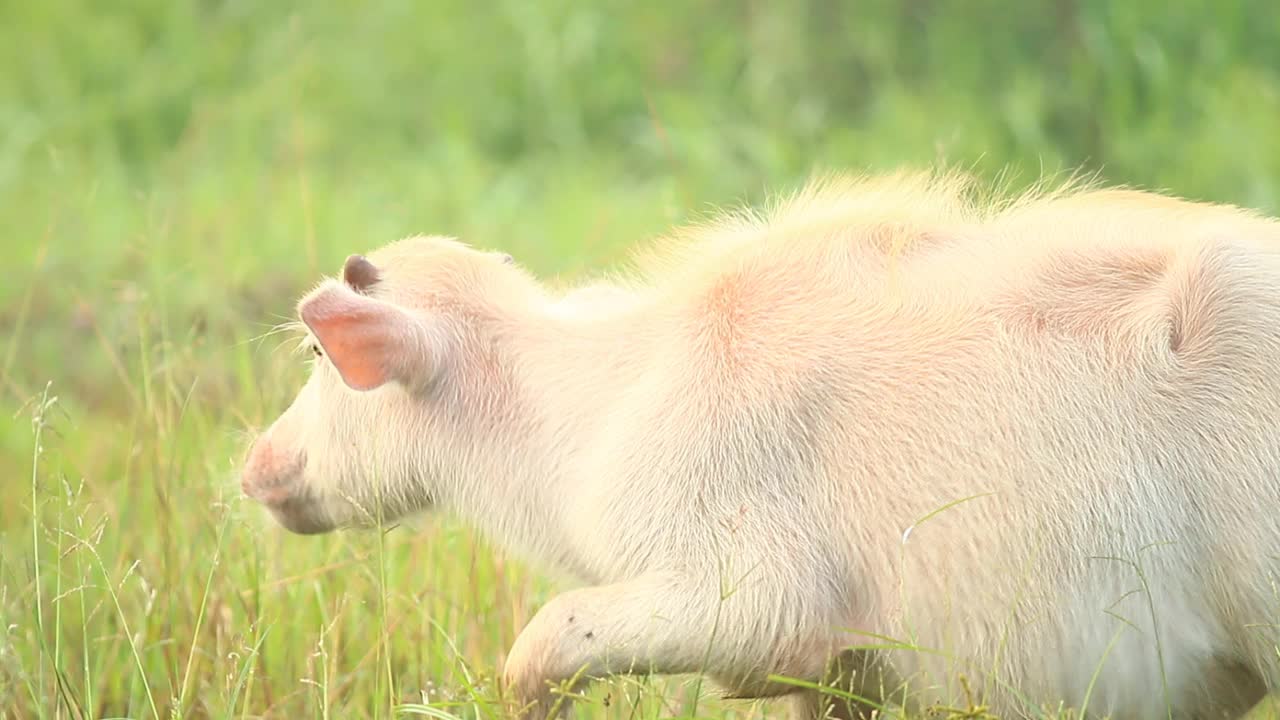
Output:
[[288, 326]]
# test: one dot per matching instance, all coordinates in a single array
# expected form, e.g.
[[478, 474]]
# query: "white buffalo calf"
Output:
[[1032, 446]]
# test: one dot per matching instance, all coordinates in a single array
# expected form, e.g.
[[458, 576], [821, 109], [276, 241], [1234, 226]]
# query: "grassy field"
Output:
[[173, 174]]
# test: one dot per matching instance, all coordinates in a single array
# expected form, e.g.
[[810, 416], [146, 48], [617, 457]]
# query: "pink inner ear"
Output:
[[368, 341]]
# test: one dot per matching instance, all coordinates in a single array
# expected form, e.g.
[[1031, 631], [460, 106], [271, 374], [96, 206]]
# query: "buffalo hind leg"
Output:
[[851, 673], [1231, 689]]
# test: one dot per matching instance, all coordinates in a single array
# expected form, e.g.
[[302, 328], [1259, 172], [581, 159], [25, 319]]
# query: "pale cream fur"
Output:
[[1028, 439]]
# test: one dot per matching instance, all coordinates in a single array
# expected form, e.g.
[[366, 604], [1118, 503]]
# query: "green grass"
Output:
[[173, 174]]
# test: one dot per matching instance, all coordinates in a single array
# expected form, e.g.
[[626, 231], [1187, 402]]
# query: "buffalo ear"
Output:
[[370, 342]]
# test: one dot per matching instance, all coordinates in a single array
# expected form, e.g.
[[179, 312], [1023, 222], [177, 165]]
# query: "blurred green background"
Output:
[[173, 174]]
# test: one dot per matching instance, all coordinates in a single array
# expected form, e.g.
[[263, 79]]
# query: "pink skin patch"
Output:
[[269, 476]]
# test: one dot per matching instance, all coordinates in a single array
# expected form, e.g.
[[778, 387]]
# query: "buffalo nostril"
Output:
[[270, 476], [296, 465]]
